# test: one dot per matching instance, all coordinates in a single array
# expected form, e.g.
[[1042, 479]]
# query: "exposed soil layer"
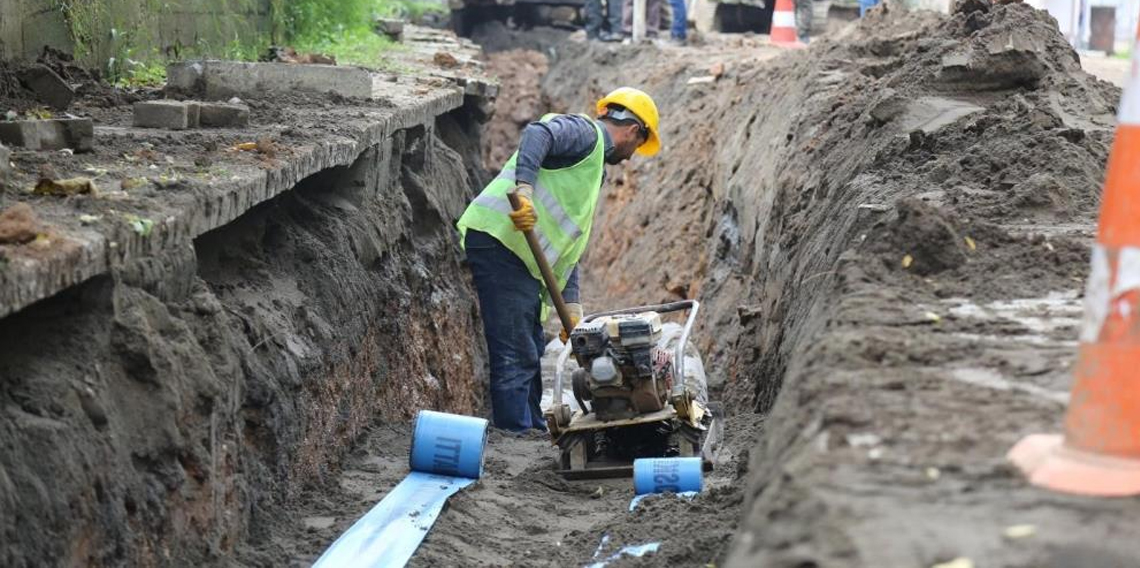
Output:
[[520, 73], [167, 412], [889, 231]]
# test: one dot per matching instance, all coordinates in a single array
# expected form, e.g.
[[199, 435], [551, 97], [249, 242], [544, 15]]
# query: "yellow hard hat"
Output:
[[641, 105]]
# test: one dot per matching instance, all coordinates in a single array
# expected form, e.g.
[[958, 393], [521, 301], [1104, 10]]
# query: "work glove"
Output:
[[575, 317], [524, 217]]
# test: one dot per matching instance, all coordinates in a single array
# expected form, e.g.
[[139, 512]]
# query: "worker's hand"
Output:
[[575, 317], [524, 217]]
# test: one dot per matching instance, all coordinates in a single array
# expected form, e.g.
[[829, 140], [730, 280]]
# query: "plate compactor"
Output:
[[641, 392], [640, 387]]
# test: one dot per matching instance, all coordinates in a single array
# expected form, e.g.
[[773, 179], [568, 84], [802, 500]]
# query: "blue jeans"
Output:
[[680, 18], [509, 300]]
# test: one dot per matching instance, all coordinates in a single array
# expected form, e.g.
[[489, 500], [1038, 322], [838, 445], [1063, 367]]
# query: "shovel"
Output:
[[544, 268]]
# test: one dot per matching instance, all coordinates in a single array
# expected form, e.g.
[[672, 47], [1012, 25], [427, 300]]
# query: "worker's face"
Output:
[[626, 141]]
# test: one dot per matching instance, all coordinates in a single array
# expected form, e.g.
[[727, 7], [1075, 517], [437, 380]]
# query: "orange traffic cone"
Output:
[[784, 24], [1100, 451]]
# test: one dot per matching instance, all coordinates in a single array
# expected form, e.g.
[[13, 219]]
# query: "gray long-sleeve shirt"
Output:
[[560, 142]]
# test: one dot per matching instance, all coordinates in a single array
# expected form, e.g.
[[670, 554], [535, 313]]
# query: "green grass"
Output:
[[352, 47], [340, 28], [147, 73]]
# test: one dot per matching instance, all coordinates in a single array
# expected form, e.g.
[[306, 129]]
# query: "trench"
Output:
[[828, 208], [244, 400], [167, 413]]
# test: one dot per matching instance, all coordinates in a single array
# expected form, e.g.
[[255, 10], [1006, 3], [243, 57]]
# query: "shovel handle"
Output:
[[544, 268]]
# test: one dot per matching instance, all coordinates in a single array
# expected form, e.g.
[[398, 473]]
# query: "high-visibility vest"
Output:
[[565, 200]]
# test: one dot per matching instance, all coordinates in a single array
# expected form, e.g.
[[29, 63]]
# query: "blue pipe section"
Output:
[[667, 475], [446, 456]]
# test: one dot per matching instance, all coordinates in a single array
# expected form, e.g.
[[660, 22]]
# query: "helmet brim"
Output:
[[651, 146]]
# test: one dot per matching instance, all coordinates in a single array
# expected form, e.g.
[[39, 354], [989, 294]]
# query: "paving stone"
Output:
[[48, 86], [78, 134], [172, 115], [224, 115], [220, 80]]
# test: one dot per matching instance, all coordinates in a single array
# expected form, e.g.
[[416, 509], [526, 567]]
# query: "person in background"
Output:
[[803, 20], [677, 33], [652, 18], [610, 19]]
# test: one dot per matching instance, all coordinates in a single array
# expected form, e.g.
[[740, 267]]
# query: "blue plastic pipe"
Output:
[[666, 475], [446, 456]]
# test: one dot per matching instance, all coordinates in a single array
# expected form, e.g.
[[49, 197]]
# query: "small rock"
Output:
[[392, 29], [863, 440], [92, 407], [956, 563], [1015, 532], [318, 523], [889, 105]]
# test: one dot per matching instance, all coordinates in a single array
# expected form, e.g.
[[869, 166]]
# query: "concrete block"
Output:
[[5, 165], [172, 115], [48, 86], [185, 78], [220, 80], [224, 115], [77, 134]]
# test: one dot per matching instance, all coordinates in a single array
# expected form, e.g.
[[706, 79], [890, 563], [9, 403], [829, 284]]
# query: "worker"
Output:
[[558, 173], [652, 18], [677, 31], [803, 20], [611, 17]]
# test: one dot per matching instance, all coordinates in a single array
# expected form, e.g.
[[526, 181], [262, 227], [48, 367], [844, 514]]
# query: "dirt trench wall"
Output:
[[819, 203], [159, 415]]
